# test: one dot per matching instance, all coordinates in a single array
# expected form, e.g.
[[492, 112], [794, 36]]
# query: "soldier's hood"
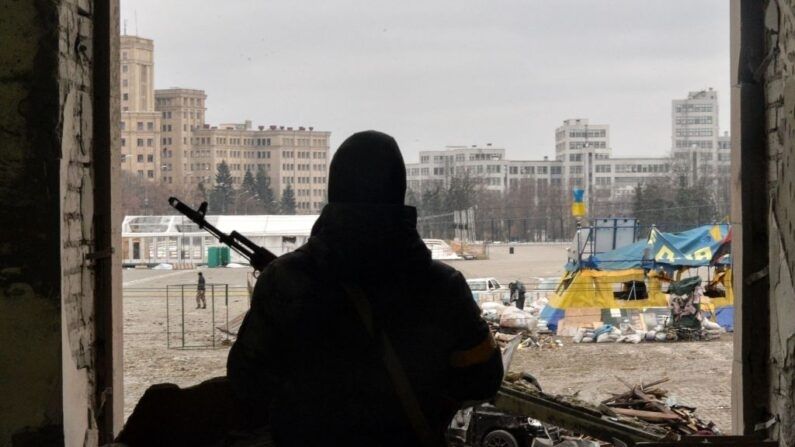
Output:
[[365, 241]]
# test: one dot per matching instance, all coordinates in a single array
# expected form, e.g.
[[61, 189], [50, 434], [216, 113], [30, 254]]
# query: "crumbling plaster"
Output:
[[46, 190], [779, 76]]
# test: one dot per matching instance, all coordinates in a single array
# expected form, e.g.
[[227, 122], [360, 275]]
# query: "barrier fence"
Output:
[[169, 315]]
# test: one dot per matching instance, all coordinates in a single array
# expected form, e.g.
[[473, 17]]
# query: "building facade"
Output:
[[165, 138], [698, 149], [290, 157], [140, 122], [582, 160]]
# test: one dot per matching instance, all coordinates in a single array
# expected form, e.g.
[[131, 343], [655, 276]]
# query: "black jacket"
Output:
[[304, 356]]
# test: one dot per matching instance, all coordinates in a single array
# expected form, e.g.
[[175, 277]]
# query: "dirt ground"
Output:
[[700, 372]]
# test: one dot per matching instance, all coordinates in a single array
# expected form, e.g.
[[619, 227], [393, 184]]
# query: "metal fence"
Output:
[[169, 315]]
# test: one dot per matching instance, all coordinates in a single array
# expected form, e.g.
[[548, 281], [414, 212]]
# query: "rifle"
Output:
[[258, 257]]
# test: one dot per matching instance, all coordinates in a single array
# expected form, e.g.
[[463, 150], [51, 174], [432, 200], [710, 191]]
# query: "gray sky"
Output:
[[442, 72]]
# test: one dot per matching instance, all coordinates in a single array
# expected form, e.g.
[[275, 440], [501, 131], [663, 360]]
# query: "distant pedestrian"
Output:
[[201, 303], [517, 291]]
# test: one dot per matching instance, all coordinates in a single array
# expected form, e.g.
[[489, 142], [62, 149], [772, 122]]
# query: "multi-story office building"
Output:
[[582, 160], [294, 157], [165, 138], [140, 123], [181, 112], [696, 145]]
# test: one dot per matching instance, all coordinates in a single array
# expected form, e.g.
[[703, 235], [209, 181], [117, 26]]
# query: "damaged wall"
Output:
[[30, 286], [780, 100], [763, 209], [48, 254]]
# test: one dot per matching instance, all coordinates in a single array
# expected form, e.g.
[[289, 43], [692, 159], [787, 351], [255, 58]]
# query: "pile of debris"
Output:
[[643, 413], [607, 333], [652, 405], [508, 322]]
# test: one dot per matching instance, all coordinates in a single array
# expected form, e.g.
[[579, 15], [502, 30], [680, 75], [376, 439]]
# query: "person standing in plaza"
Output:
[[201, 303]]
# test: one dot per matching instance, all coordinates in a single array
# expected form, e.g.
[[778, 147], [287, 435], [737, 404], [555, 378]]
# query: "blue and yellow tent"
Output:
[[594, 282]]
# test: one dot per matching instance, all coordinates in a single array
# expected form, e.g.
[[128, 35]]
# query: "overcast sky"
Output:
[[444, 72]]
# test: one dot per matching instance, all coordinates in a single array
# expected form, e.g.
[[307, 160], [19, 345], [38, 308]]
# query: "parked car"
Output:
[[488, 289], [485, 425]]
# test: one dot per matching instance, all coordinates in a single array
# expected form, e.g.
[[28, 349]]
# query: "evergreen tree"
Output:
[[221, 197], [460, 194], [265, 193], [287, 205], [412, 199], [432, 200], [248, 183], [203, 191]]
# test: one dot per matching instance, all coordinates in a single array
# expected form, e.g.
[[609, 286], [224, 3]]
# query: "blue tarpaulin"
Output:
[[691, 248]]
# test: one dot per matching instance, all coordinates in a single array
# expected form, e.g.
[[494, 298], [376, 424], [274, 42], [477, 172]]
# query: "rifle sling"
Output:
[[397, 374]]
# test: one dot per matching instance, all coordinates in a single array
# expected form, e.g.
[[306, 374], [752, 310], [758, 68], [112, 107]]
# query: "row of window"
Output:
[[694, 120], [459, 157], [587, 144], [622, 168], [183, 101], [150, 158], [140, 142], [302, 167], [693, 132], [589, 133], [680, 108], [701, 144]]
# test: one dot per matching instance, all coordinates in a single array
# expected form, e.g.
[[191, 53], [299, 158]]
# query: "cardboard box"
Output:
[[583, 311]]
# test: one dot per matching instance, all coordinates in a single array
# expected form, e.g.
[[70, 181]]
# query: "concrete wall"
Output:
[[763, 209], [780, 100], [48, 251]]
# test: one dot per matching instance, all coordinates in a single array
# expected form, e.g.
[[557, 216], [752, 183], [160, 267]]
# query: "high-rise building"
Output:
[[165, 138], [140, 123], [695, 135], [181, 112]]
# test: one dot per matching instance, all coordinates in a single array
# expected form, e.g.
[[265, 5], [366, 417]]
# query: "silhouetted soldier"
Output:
[[518, 292], [358, 337], [201, 302]]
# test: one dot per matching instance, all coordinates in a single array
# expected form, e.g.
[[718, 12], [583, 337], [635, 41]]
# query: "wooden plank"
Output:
[[648, 415]]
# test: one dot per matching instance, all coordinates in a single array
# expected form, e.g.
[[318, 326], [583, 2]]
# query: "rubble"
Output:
[[644, 412], [653, 405]]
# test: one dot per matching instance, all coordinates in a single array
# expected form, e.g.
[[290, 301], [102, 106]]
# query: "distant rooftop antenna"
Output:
[[125, 27]]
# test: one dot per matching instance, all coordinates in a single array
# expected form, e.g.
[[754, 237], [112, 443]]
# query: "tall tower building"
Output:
[[182, 111], [578, 146], [140, 123], [694, 136]]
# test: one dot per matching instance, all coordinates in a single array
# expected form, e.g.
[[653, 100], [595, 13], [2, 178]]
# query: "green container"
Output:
[[223, 255], [213, 256]]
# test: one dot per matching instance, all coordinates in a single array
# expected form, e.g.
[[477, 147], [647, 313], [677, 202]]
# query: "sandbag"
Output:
[[491, 311], [513, 318]]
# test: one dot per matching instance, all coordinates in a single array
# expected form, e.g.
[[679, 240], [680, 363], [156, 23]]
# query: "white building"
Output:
[[698, 149], [582, 160], [151, 240]]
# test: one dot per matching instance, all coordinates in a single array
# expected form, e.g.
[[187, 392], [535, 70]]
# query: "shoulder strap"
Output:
[[397, 374]]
